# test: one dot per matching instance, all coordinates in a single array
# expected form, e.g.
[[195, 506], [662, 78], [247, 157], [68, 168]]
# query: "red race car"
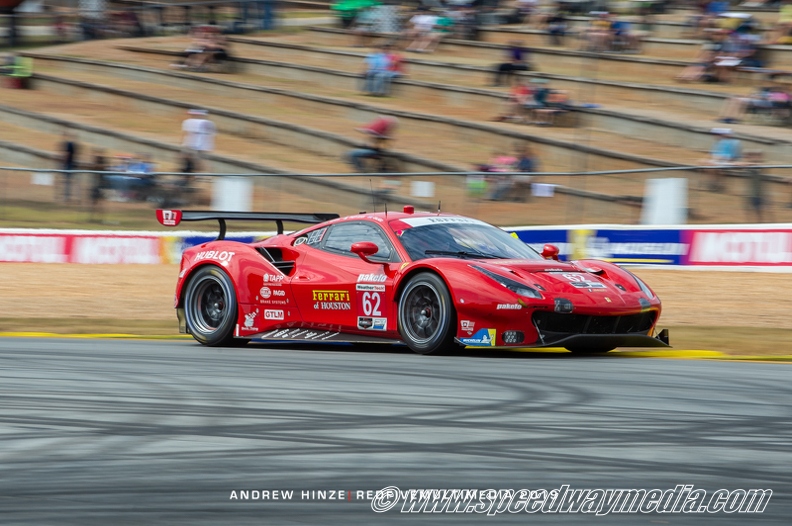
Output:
[[431, 281]]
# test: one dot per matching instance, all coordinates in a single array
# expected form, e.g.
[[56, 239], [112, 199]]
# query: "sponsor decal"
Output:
[[370, 287], [250, 320], [468, 326], [374, 324], [169, 217], [483, 338], [298, 334], [581, 281], [332, 305], [311, 238], [591, 285], [436, 220], [509, 306], [273, 314], [273, 279], [266, 293], [331, 295], [223, 256], [371, 278]]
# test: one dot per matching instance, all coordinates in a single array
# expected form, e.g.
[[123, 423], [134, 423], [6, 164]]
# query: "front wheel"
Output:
[[426, 314], [210, 307]]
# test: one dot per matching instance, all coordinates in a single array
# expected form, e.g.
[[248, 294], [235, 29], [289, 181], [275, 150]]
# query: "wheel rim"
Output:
[[424, 313], [210, 305]]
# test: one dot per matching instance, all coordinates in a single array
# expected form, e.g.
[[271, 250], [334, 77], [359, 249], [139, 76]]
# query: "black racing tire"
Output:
[[590, 350], [210, 307], [427, 318]]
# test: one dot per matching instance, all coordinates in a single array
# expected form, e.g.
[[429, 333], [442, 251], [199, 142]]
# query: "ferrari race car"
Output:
[[431, 281]]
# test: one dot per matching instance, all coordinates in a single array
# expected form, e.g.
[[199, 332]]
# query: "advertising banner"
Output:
[[640, 246], [726, 246]]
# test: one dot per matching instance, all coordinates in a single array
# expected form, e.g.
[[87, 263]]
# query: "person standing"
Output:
[[516, 60], [100, 184], [70, 150], [198, 136]]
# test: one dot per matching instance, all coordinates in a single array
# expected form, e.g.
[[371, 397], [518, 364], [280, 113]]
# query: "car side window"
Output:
[[341, 236]]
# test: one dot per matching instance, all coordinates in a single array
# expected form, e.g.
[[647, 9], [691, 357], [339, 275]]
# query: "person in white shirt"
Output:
[[421, 33], [198, 136]]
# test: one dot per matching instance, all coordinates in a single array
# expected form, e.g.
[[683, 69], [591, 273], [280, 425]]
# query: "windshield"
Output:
[[474, 240]]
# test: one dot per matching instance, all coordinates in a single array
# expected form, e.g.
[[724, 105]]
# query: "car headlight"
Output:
[[644, 288], [514, 286]]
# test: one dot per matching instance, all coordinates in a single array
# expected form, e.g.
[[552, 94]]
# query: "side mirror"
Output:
[[550, 252], [364, 249]]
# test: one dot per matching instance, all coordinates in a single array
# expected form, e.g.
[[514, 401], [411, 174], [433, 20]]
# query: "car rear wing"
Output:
[[175, 217]]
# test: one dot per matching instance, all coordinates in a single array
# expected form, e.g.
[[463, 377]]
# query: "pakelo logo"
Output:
[[272, 314], [468, 326], [509, 306], [265, 292], [371, 278], [331, 295], [273, 279], [483, 338]]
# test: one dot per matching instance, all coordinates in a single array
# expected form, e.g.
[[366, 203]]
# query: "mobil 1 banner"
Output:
[[622, 245]]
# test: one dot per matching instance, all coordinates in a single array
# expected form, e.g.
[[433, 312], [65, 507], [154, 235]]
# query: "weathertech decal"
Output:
[[370, 287]]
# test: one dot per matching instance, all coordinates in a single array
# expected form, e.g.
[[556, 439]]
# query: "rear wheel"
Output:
[[210, 307], [426, 315]]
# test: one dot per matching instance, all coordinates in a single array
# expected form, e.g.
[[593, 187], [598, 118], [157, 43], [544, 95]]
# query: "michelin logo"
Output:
[[483, 338]]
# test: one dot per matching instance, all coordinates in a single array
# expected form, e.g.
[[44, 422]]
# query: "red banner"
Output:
[[744, 247], [79, 248]]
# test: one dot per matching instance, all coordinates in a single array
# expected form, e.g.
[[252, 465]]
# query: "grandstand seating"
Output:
[[295, 103]]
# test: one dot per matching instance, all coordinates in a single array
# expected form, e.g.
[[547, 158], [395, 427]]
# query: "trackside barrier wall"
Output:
[[766, 246]]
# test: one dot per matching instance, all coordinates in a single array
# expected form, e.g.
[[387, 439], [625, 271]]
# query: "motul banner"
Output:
[[741, 247], [112, 248], [71, 248]]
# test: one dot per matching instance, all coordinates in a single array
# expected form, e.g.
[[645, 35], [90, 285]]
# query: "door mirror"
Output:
[[550, 252], [364, 249]]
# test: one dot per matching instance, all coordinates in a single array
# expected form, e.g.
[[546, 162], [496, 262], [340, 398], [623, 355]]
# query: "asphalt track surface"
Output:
[[135, 432]]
